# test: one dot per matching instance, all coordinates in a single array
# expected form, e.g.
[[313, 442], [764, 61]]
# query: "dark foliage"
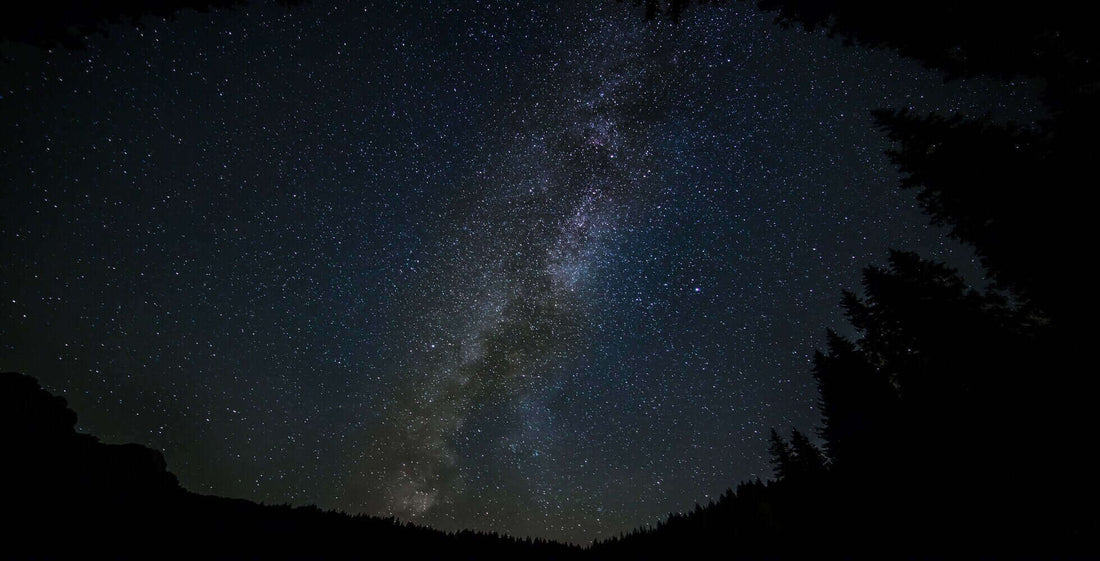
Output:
[[798, 460], [782, 455], [936, 428], [1012, 192], [954, 425], [962, 38], [858, 406], [1055, 41], [70, 496]]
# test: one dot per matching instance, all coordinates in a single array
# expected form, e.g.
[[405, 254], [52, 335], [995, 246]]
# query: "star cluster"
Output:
[[533, 268]]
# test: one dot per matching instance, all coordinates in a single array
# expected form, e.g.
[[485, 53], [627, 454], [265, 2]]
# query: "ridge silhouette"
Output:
[[71, 496]]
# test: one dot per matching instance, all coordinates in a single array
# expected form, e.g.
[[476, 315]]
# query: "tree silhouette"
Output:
[[857, 404], [962, 38], [932, 419], [1001, 189], [1011, 191], [809, 461], [797, 460], [782, 456]]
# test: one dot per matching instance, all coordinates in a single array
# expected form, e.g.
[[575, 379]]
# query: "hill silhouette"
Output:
[[71, 496]]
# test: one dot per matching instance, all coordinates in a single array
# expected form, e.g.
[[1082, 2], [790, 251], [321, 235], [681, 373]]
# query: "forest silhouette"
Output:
[[955, 424], [72, 496]]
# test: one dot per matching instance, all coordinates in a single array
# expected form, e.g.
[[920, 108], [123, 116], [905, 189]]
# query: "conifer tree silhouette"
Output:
[[782, 459], [809, 461]]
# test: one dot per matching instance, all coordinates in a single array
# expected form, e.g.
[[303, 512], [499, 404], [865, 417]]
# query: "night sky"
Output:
[[537, 268]]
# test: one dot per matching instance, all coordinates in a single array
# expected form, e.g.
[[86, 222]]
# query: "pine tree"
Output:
[[857, 404], [808, 459], [782, 456]]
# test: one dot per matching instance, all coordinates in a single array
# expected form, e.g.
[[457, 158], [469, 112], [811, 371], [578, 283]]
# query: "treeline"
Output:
[[942, 438], [958, 422], [69, 496]]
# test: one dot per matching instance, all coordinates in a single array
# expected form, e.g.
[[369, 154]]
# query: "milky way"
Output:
[[525, 268], [562, 180]]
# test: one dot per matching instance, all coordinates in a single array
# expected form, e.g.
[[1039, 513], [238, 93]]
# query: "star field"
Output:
[[534, 268]]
